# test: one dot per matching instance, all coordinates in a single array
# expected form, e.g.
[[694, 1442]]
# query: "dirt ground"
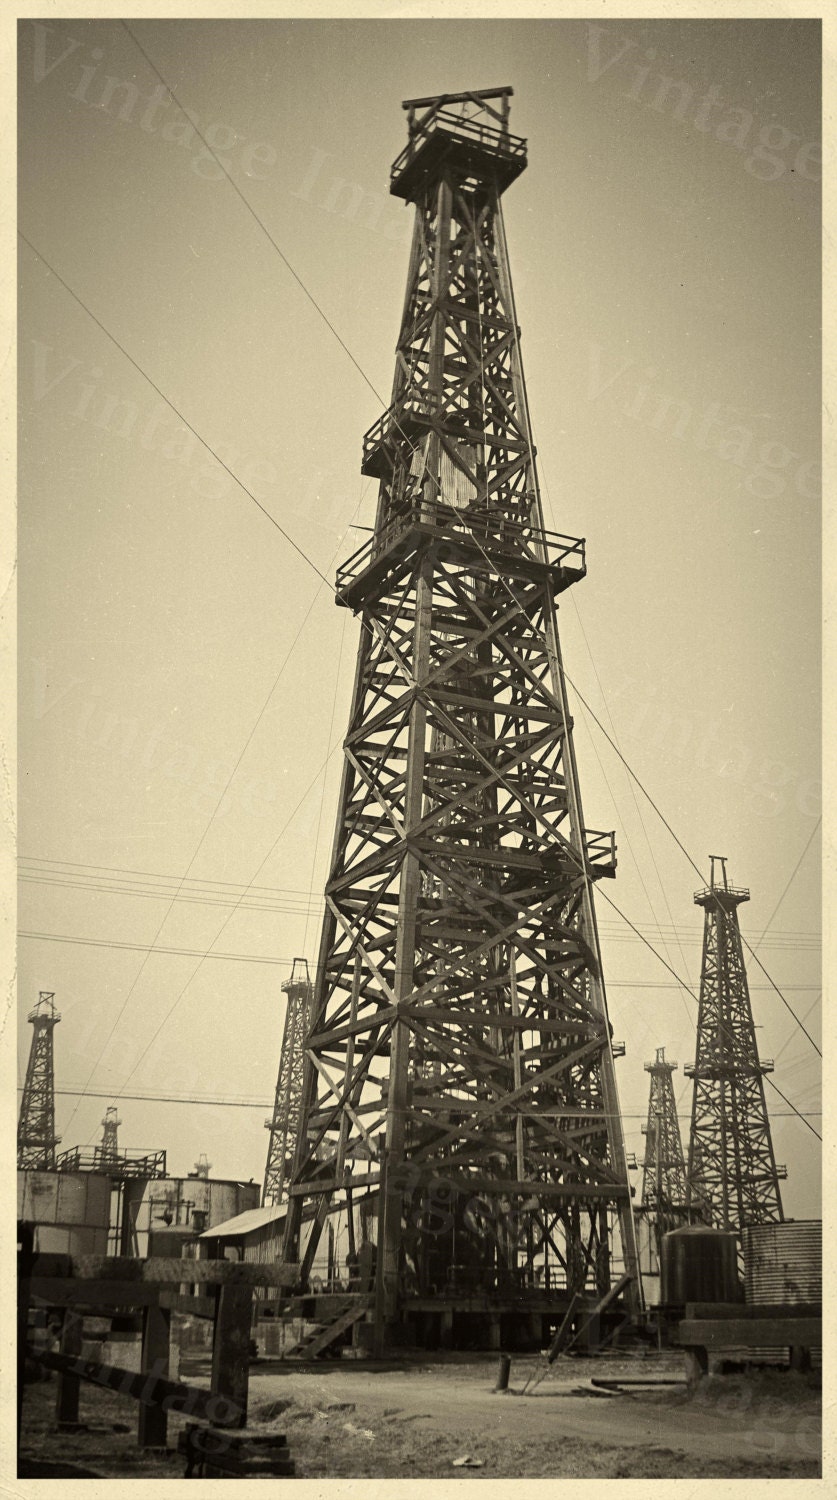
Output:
[[413, 1419]]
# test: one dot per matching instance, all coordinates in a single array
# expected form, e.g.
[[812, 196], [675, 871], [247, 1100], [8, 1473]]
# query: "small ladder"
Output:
[[325, 1334]]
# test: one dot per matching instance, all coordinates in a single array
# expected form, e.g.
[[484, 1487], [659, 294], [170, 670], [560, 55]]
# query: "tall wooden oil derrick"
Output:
[[733, 1178], [284, 1120], [458, 1062], [36, 1138], [664, 1165]]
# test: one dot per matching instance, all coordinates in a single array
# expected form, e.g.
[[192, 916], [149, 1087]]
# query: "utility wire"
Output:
[[198, 847], [221, 1103], [787, 885], [250, 209], [172, 1008], [272, 899], [766, 1076], [682, 846], [163, 397], [148, 948], [582, 699], [269, 958]]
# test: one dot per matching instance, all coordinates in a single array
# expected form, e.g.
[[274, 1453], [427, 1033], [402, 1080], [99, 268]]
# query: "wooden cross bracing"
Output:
[[459, 1008]]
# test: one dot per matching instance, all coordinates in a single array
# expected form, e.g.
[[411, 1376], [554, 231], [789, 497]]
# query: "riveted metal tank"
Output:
[[700, 1264], [70, 1211]]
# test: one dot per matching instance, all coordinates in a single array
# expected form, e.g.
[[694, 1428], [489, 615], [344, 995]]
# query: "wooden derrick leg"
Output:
[[67, 1394]]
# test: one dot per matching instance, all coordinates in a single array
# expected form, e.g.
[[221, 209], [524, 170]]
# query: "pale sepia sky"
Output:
[[665, 252]]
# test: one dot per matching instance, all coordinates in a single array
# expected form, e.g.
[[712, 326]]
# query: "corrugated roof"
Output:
[[252, 1218]]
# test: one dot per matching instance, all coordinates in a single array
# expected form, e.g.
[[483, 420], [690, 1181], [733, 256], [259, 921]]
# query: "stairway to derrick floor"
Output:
[[326, 1330]]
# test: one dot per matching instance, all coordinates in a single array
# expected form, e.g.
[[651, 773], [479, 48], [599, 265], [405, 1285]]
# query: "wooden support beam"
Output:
[[758, 1333], [152, 1428], [171, 1271], [231, 1347], [147, 1388], [68, 1385], [739, 1310], [66, 1291]]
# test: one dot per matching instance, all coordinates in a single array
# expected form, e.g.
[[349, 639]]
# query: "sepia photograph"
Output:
[[419, 777]]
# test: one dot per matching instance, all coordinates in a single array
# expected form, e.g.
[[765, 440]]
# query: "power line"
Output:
[[788, 884], [282, 256], [305, 904], [163, 397], [268, 958], [148, 948], [227, 920], [217, 1102], [313, 565], [682, 846], [691, 992], [630, 782]]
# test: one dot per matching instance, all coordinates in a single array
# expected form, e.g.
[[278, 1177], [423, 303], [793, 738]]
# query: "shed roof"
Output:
[[252, 1218]]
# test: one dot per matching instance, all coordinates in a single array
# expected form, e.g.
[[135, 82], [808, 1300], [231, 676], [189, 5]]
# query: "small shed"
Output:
[[255, 1235]]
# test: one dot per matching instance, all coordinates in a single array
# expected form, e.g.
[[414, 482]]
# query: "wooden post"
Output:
[[68, 1386], [696, 1361], [152, 1427], [381, 1289], [231, 1348], [25, 1257]]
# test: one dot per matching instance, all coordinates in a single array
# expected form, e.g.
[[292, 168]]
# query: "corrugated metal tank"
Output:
[[71, 1211], [783, 1262], [700, 1264]]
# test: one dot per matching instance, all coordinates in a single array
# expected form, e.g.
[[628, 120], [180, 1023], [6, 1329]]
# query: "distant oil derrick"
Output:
[[664, 1165], [283, 1122], [36, 1138], [107, 1152], [733, 1178]]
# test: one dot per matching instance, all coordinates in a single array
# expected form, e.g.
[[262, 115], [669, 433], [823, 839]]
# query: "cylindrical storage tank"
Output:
[[215, 1200], [70, 1211], [700, 1264], [783, 1262], [224, 1200]]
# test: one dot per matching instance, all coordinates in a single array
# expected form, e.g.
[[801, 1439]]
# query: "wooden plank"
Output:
[[603, 1192], [742, 1310], [144, 1387], [166, 1270], [231, 1347], [63, 1291], [732, 1333]]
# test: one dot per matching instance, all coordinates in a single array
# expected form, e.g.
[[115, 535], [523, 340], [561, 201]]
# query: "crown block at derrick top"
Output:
[[462, 135]]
